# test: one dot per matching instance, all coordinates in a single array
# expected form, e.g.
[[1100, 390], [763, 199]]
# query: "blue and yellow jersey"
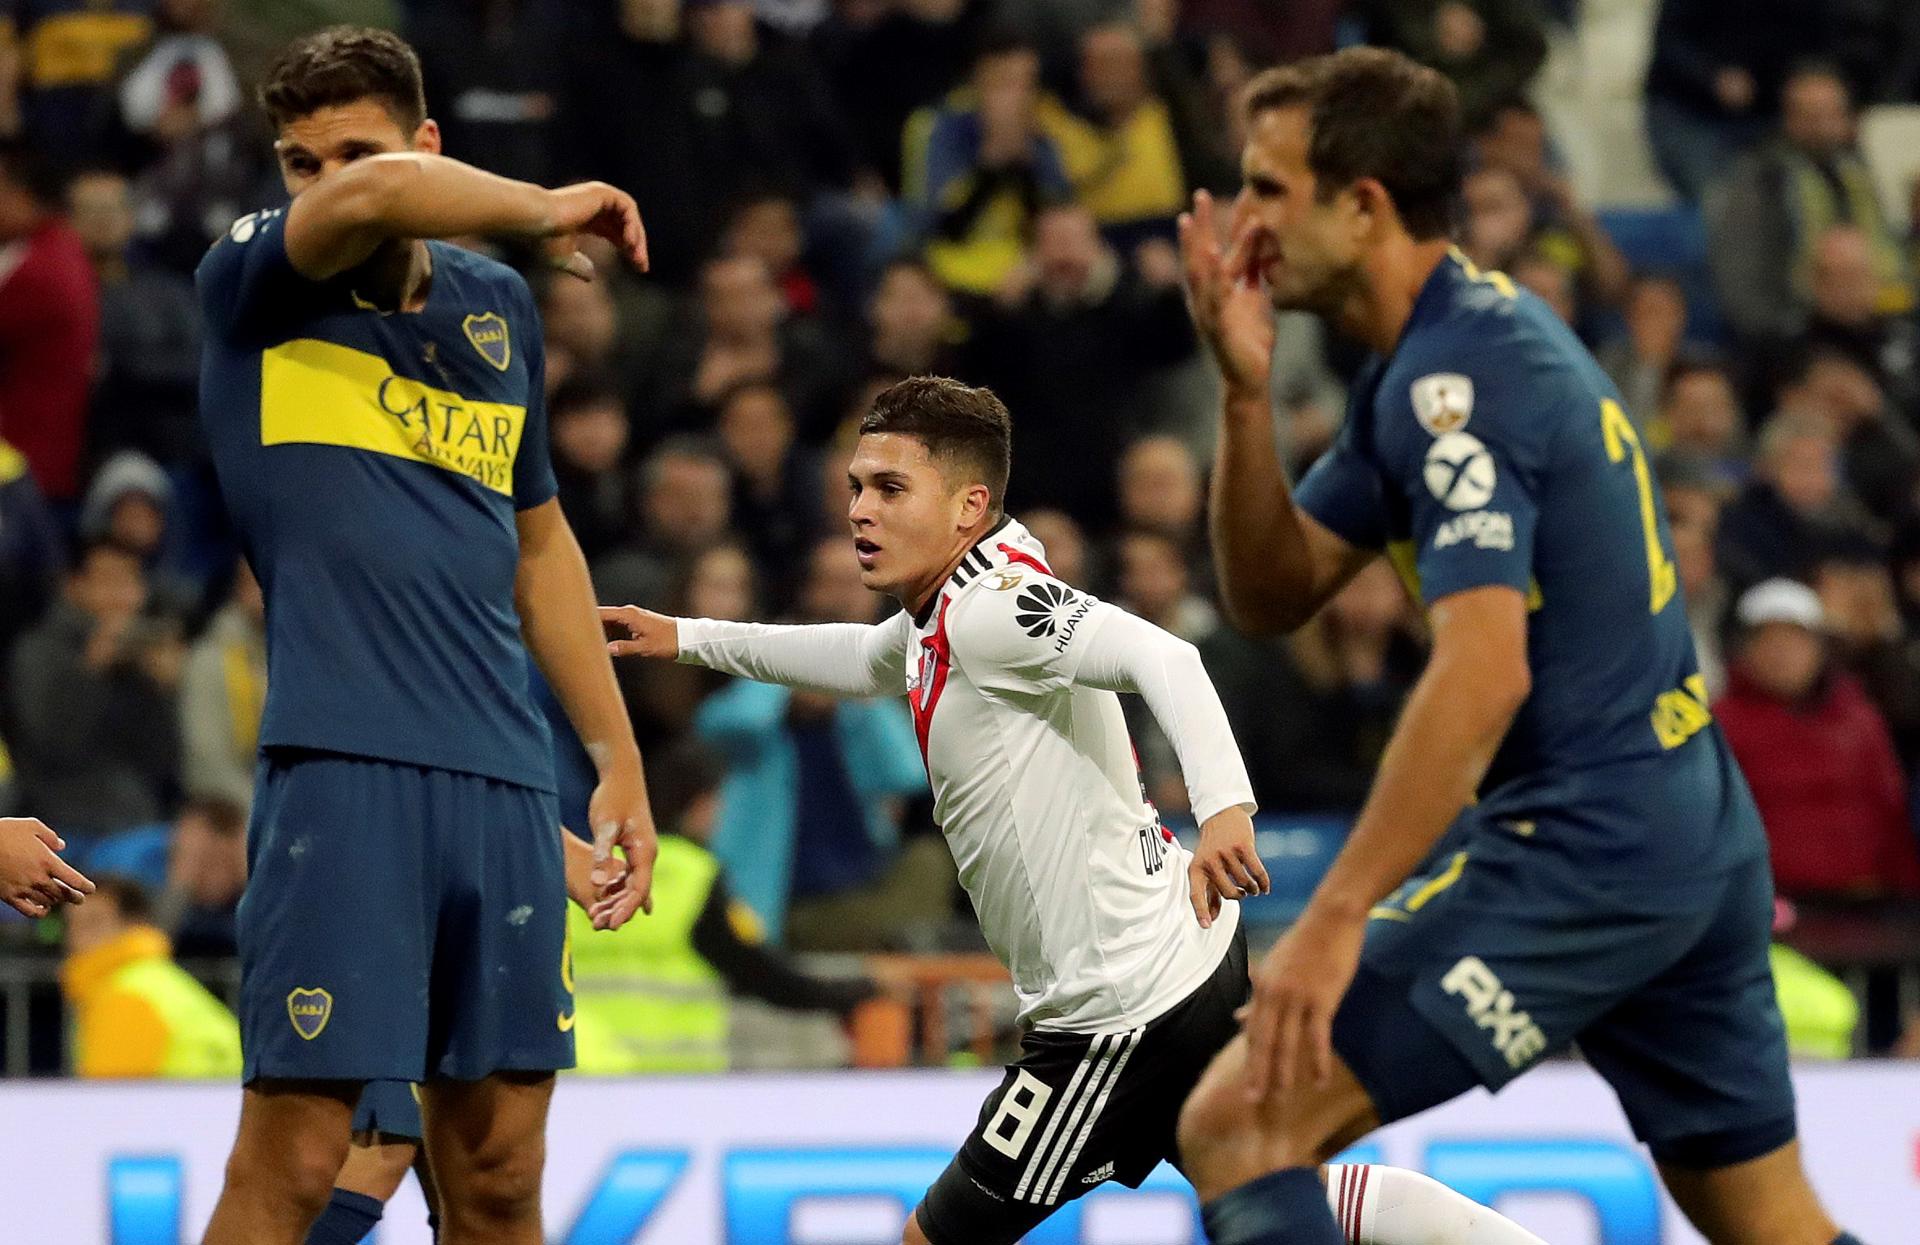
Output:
[[1488, 449], [373, 464]]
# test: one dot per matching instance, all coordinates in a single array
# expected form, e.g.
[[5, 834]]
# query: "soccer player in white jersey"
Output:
[[1126, 950]]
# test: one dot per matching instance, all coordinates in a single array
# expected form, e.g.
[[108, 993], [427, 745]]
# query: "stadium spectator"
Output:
[[585, 335], [777, 481], [136, 1013], [130, 503], [32, 551], [686, 504], [702, 90], [181, 117], [887, 58], [93, 717], [809, 824], [1491, 49], [1715, 80], [1699, 416], [1536, 271], [1142, 143], [149, 369], [1515, 138], [1694, 493], [721, 582], [1076, 340], [1794, 511], [1639, 360], [745, 334], [652, 997], [223, 692], [206, 874], [1848, 314], [913, 330], [766, 227], [61, 57], [1859, 602], [1065, 543], [49, 325], [1312, 712], [1879, 449], [590, 433], [977, 169], [496, 70], [1766, 220], [1161, 490], [1816, 753]]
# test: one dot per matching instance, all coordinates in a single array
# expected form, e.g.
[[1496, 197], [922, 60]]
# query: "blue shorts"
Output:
[[400, 923], [390, 1108], [1504, 952]]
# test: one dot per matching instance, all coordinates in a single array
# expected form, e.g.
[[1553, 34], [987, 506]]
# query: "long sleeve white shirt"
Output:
[[1011, 677]]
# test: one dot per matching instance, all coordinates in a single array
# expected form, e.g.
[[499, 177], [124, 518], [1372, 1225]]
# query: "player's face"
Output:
[[908, 519], [331, 138], [1309, 252]]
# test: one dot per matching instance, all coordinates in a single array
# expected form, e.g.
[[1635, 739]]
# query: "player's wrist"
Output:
[[1246, 404]]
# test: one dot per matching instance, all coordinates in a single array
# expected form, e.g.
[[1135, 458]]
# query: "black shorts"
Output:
[[1078, 1110]]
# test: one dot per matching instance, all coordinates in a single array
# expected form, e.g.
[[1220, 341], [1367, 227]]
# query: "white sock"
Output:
[[1393, 1206]]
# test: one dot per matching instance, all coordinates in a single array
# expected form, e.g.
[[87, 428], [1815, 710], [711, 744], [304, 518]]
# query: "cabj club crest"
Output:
[[309, 1010], [488, 333]]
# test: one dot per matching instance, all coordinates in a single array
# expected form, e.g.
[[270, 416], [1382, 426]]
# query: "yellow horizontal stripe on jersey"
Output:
[[322, 393]]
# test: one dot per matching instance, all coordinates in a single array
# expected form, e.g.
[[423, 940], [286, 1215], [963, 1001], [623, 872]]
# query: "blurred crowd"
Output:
[[840, 194]]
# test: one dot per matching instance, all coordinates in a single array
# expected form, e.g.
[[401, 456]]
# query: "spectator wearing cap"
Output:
[[130, 504], [1816, 753]]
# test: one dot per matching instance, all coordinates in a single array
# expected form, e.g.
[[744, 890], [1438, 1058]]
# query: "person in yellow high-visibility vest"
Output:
[[651, 997], [136, 1012]]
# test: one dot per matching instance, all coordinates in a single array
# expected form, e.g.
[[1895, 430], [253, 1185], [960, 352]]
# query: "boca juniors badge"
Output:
[[488, 333]]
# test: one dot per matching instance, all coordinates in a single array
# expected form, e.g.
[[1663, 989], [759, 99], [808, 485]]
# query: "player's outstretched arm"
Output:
[[337, 222], [1475, 682], [33, 879], [839, 659], [558, 620], [1276, 566]]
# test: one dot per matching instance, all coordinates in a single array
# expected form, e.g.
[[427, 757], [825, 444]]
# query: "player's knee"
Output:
[[300, 1166], [499, 1188]]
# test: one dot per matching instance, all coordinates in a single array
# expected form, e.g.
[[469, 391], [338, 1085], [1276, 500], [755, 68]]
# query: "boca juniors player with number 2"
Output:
[[1609, 886], [374, 402]]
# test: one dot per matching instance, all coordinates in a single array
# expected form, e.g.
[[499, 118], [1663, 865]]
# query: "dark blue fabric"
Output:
[[346, 1220], [1287, 1207]]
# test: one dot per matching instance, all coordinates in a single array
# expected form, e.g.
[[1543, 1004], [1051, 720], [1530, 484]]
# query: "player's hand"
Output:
[[33, 880], [598, 209], [1225, 865], [1296, 991], [621, 818], [1224, 295], [634, 632]]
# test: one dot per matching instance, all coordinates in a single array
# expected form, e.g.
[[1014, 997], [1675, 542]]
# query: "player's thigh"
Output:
[[486, 1139], [335, 928], [501, 993], [1762, 1201], [1227, 1139], [293, 1135], [1698, 1055], [376, 1167]]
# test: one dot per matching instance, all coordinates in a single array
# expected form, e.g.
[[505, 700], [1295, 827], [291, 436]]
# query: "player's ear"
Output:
[[1372, 205], [976, 503], [427, 138]]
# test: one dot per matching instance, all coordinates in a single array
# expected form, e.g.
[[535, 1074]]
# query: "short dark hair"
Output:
[[342, 65], [959, 425], [223, 816], [131, 898], [1375, 114]]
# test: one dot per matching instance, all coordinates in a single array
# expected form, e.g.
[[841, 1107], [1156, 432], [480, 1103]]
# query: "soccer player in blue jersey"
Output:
[[1558, 847], [374, 403]]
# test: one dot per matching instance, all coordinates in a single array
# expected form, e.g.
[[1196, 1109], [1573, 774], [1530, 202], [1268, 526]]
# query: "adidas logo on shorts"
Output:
[[1102, 1172]]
